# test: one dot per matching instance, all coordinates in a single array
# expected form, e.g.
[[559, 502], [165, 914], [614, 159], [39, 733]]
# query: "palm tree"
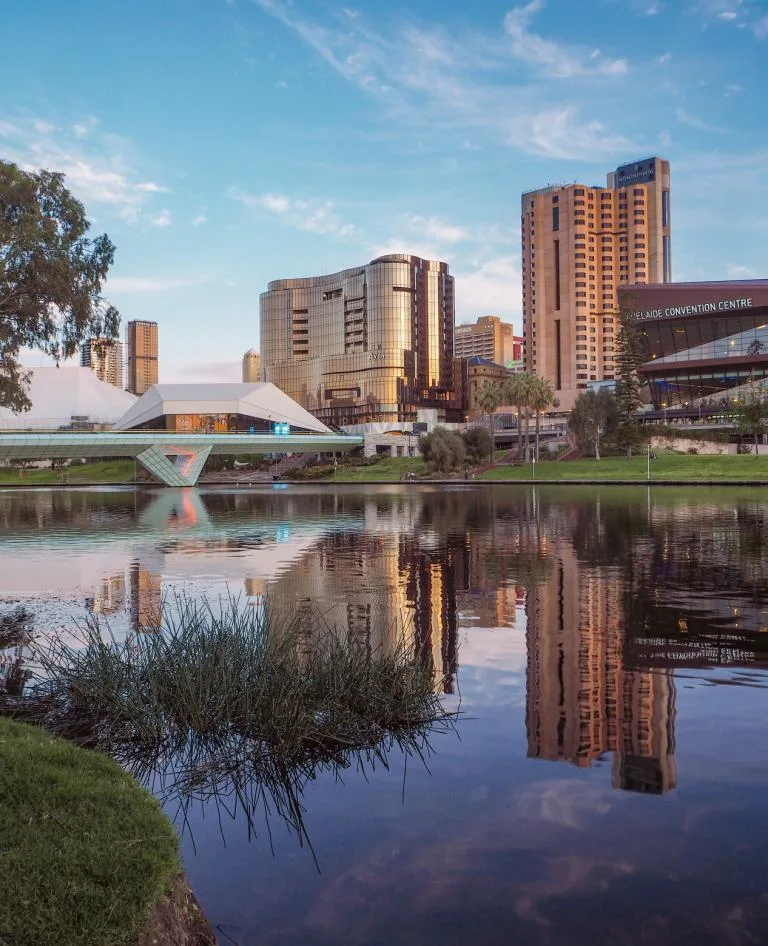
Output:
[[489, 397], [519, 392], [542, 397]]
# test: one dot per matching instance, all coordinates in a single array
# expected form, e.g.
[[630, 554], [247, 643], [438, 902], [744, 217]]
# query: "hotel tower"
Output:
[[579, 245]]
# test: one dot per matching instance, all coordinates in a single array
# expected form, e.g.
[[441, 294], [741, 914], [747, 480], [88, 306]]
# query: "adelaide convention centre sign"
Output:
[[700, 308]]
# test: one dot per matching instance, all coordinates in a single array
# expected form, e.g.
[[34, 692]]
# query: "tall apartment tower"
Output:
[[104, 356], [489, 338], [579, 245], [251, 366], [141, 340]]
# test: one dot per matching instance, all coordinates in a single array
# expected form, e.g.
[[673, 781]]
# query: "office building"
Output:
[[104, 356], [251, 366], [369, 344], [489, 338], [704, 343], [141, 342], [580, 244]]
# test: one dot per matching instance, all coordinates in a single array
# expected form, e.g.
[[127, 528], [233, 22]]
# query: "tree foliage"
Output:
[[478, 442], [595, 416], [629, 357], [751, 414], [443, 450], [542, 398], [520, 392], [51, 274]]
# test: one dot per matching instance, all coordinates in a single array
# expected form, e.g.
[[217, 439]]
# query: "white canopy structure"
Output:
[[261, 401], [68, 396]]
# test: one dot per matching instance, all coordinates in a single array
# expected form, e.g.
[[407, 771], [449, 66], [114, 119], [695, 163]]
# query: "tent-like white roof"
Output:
[[264, 401], [60, 394]]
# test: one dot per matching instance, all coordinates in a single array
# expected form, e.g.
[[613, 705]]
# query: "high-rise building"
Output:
[[373, 343], [489, 338], [579, 245], [251, 366], [104, 356], [141, 340]]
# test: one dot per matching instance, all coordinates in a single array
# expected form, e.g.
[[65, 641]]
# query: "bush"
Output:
[[443, 450], [478, 443]]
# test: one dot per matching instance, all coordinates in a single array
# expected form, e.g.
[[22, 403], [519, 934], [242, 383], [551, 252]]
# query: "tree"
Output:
[[629, 357], [519, 388], [595, 415], [51, 273], [542, 397], [443, 450], [489, 397], [751, 414], [479, 443]]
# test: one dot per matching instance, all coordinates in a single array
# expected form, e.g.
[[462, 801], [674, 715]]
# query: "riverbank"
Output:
[[88, 856], [666, 469]]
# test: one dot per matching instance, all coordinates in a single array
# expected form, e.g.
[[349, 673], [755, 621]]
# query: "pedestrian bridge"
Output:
[[175, 459]]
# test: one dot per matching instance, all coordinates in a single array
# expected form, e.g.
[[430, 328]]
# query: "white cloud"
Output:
[[436, 229], [469, 85], [95, 165], [653, 10], [555, 59], [738, 271], [490, 285], [153, 283], [685, 118], [199, 220], [663, 60], [149, 187], [314, 215], [163, 219]]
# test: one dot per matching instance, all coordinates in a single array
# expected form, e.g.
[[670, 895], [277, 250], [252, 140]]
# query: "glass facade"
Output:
[[703, 342], [369, 344]]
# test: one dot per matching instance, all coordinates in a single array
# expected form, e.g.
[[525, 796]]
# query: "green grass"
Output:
[[388, 468], [86, 853], [667, 466], [104, 471]]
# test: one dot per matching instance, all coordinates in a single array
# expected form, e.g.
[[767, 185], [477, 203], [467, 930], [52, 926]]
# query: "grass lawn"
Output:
[[86, 853], [388, 468], [667, 466], [105, 471]]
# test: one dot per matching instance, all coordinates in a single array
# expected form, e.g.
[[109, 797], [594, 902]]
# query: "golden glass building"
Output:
[[141, 339], [373, 343], [579, 245]]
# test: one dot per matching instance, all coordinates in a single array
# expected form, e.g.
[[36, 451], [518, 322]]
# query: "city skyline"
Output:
[[320, 138]]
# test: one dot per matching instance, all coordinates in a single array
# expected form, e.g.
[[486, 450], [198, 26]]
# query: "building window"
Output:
[[555, 218]]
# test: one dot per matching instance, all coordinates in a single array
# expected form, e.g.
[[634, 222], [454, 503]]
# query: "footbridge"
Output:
[[176, 459]]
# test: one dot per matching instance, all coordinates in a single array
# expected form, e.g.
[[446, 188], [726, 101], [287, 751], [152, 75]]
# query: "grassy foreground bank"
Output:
[[86, 853]]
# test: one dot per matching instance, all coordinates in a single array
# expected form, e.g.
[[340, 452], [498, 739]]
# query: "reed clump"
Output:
[[291, 689]]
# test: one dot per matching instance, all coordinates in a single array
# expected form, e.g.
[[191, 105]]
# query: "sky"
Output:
[[225, 143]]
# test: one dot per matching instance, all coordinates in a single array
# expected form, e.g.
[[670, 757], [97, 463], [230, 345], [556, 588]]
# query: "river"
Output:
[[607, 648]]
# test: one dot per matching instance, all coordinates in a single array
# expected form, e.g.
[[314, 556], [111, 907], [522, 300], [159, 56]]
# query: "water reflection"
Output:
[[621, 633]]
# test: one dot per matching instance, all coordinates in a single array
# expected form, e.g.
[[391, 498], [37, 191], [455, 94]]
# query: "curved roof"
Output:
[[60, 394], [263, 400]]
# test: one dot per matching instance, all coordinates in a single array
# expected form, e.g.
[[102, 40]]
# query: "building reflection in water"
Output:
[[617, 595], [582, 701]]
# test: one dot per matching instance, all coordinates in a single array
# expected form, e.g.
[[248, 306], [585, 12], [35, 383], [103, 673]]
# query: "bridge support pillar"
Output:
[[183, 471]]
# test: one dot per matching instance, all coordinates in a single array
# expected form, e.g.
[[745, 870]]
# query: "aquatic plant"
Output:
[[293, 689]]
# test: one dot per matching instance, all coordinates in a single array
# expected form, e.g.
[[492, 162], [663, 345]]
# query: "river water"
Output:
[[607, 779]]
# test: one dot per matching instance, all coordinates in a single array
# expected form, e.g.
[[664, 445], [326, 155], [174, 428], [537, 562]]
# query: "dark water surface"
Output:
[[608, 779]]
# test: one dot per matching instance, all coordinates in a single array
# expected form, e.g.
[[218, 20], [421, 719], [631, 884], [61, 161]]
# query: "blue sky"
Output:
[[225, 143]]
